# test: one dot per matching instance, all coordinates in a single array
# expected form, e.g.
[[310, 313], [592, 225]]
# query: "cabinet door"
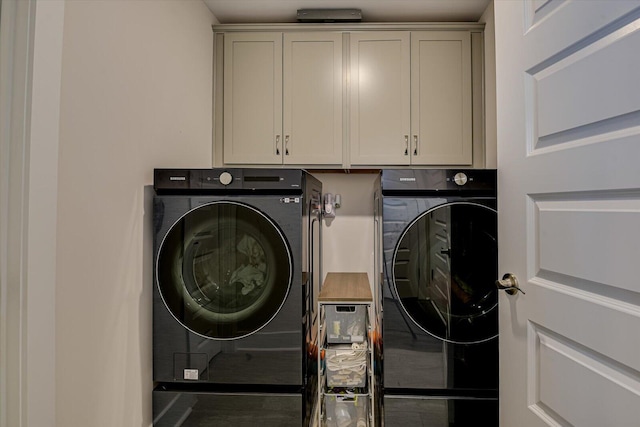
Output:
[[253, 98], [441, 119], [312, 112], [380, 98]]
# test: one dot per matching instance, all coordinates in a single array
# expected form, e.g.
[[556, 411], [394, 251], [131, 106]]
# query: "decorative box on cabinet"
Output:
[[346, 380], [282, 98]]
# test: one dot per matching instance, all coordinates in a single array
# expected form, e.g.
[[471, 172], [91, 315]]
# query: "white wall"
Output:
[[136, 94], [348, 238]]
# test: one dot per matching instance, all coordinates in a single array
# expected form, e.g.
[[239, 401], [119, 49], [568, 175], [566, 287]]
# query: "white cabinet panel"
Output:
[[253, 98], [411, 98], [441, 119], [380, 98], [313, 98], [283, 98]]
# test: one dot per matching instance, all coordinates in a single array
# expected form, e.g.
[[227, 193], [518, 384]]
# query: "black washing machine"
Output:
[[440, 315], [236, 257]]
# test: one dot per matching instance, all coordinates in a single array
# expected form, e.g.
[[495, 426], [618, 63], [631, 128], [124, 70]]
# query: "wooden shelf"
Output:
[[348, 287]]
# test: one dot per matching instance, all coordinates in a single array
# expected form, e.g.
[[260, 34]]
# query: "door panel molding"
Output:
[[551, 356], [571, 96], [585, 227]]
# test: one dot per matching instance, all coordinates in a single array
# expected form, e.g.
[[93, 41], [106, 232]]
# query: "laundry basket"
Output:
[[346, 410], [346, 323], [346, 365]]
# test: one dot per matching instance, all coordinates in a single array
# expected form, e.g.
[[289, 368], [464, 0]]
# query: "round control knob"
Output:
[[460, 178], [225, 178]]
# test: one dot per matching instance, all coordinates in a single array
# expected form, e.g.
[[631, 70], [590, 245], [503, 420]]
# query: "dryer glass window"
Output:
[[444, 270], [224, 270]]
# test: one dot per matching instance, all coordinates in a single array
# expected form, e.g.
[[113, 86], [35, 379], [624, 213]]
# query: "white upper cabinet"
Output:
[[411, 98], [253, 98], [313, 76], [441, 122], [380, 98], [283, 98], [338, 97]]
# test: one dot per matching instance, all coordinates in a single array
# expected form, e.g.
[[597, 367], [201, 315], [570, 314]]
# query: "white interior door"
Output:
[[568, 94]]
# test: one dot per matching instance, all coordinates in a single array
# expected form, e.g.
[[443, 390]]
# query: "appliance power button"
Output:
[[460, 178], [225, 178]]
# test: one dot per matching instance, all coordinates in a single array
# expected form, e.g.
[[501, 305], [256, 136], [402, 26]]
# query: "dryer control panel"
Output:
[[438, 181]]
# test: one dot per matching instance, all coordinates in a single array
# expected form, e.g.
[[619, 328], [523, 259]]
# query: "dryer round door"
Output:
[[444, 269], [224, 270]]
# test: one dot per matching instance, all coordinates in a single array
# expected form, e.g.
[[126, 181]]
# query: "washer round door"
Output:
[[224, 270], [444, 270]]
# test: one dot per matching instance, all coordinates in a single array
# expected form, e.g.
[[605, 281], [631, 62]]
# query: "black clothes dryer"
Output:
[[236, 254], [440, 315]]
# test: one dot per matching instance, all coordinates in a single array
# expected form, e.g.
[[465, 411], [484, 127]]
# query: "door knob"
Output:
[[509, 284]]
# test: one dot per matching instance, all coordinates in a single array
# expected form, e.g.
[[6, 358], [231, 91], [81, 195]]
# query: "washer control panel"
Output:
[[223, 180]]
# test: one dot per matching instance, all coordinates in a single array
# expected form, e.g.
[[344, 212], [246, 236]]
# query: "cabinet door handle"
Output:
[[286, 145], [415, 145], [406, 145], [277, 145]]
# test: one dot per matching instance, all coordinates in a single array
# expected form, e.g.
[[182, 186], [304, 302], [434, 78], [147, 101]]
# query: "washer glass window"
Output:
[[444, 269], [224, 270]]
